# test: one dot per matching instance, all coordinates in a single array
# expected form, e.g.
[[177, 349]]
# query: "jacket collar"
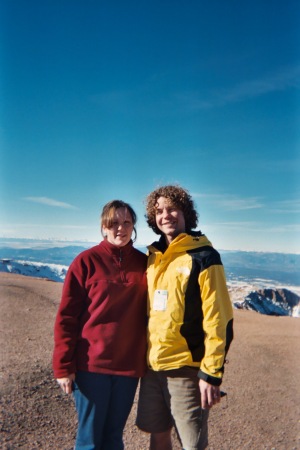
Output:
[[117, 251], [183, 242]]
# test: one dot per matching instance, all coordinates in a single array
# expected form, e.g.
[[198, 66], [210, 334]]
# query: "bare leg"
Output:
[[161, 441]]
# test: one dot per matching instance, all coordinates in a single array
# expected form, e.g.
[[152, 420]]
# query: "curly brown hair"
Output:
[[178, 197]]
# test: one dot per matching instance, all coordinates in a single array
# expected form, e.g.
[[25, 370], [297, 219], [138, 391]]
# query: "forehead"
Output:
[[163, 202], [121, 213]]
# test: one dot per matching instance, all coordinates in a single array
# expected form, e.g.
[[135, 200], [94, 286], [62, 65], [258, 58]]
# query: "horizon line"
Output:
[[87, 241]]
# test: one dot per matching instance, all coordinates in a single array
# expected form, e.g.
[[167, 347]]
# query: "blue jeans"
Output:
[[103, 404]]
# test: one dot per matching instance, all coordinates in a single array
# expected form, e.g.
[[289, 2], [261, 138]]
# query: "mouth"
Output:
[[166, 224]]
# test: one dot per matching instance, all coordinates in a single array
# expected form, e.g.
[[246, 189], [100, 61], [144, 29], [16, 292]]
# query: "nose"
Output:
[[165, 213]]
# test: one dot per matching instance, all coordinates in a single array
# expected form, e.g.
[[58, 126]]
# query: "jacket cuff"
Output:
[[209, 379]]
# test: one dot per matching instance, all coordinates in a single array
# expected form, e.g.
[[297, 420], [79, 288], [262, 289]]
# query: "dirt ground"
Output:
[[262, 409]]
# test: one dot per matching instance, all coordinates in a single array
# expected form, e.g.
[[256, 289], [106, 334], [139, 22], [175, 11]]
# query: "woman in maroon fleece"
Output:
[[100, 331]]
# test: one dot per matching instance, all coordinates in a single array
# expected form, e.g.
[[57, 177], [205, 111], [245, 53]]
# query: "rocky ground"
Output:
[[262, 379]]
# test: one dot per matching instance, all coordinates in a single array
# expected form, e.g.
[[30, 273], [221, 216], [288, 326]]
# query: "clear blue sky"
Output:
[[109, 99]]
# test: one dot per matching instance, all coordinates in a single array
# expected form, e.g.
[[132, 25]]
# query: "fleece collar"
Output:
[[117, 251]]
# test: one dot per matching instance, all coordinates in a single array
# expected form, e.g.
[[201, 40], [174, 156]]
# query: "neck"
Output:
[[170, 239]]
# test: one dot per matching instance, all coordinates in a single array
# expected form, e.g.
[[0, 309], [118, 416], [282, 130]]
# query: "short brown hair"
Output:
[[178, 197], [109, 210]]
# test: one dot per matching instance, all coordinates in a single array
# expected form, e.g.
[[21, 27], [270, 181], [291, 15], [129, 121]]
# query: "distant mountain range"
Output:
[[257, 278], [278, 267], [52, 255]]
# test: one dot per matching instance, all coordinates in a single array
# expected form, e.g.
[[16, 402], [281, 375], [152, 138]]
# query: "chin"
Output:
[[121, 244]]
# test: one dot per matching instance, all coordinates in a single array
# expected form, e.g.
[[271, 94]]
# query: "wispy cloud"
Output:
[[288, 77], [286, 206], [148, 97], [50, 202], [255, 227], [231, 202], [47, 226], [236, 225], [285, 228]]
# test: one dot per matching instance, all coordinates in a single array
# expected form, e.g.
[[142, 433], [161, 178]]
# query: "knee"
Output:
[[161, 441]]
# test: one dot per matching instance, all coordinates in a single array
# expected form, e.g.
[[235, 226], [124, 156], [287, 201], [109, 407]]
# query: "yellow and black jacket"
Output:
[[190, 312]]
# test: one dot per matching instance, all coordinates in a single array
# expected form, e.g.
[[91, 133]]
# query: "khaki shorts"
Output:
[[172, 397]]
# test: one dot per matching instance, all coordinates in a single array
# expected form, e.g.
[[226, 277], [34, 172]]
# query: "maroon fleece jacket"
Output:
[[102, 318]]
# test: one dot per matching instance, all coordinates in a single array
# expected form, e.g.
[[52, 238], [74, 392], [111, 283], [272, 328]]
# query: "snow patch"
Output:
[[272, 302], [54, 272]]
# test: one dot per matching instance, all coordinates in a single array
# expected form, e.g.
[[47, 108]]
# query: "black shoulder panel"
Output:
[[192, 329], [205, 257]]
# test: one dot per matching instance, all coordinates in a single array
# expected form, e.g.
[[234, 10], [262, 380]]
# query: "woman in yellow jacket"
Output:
[[190, 324]]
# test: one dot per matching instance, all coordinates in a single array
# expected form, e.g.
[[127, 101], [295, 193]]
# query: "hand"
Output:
[[210, 395], [66, 383]]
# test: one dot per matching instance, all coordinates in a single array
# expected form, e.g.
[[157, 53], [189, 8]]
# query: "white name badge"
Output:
[[160, 300]]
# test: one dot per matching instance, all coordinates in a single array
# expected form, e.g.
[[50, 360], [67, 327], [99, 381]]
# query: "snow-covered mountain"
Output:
[[272, 302], [53, 272], [261, 282]]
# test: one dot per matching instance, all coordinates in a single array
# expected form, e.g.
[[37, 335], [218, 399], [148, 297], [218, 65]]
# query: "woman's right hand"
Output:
[[67, 383]]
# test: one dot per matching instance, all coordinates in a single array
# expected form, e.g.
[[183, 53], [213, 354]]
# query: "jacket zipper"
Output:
[[122, 272]]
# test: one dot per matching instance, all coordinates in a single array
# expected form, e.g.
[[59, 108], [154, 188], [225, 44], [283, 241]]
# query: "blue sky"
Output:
[[110, 99]]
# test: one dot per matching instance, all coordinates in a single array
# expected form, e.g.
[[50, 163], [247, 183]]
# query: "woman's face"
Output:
[[119, 234]]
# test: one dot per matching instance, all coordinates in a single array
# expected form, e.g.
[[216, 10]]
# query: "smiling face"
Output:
[[120, 231], [169, 219]]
